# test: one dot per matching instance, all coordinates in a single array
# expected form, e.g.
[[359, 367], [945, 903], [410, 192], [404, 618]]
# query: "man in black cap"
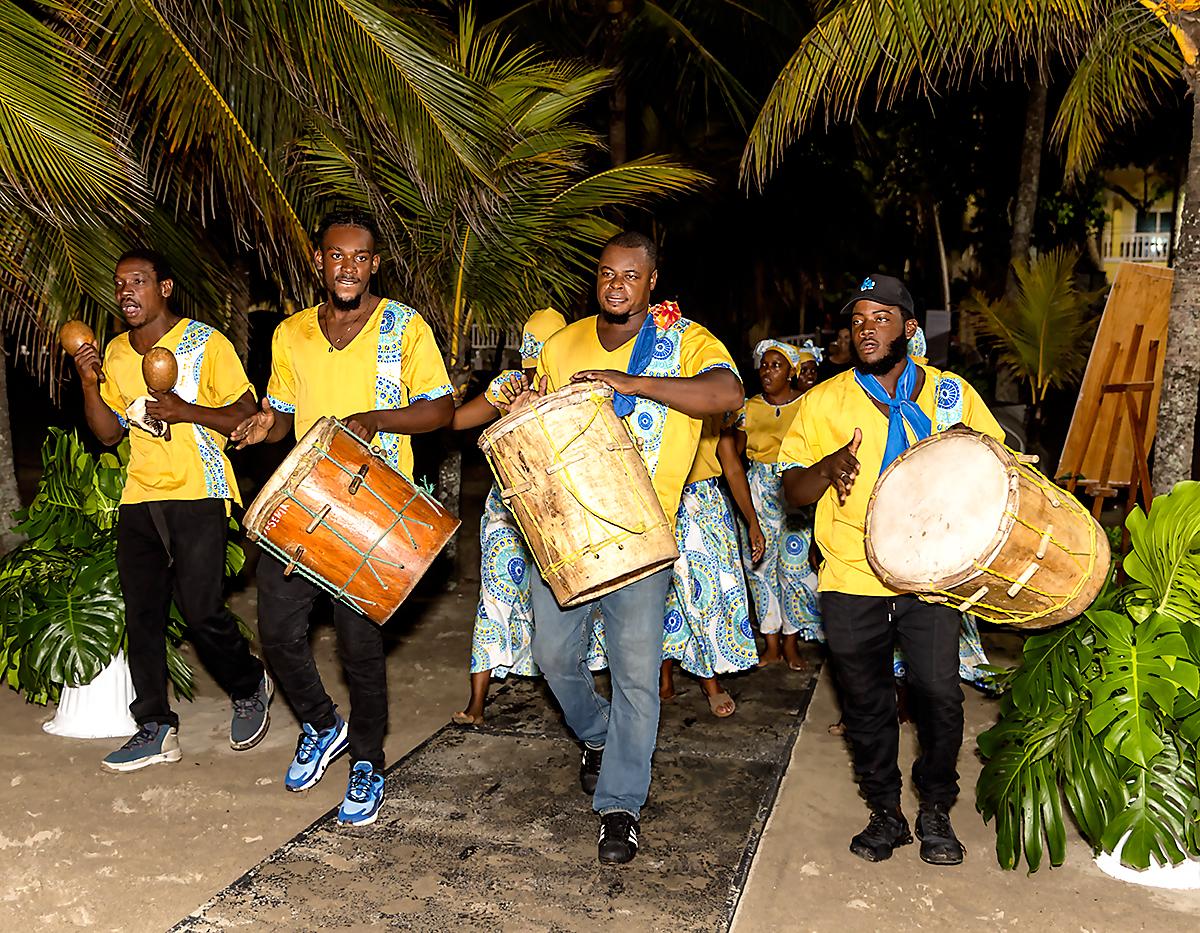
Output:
[[846, 432]]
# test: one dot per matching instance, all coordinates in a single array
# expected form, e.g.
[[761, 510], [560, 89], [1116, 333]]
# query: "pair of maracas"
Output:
[[160, 369]]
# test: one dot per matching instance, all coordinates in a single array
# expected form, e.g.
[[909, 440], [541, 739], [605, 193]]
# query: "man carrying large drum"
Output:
[[666, 372], [846, 432], [373, 363]]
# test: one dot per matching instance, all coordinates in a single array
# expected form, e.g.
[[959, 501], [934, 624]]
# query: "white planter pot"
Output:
[[1182, 877], [99, 710]]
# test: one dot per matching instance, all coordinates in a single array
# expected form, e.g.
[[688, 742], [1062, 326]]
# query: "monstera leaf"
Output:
[[1160, 813], [1056, 666], [1143, 668], [1163, 563]]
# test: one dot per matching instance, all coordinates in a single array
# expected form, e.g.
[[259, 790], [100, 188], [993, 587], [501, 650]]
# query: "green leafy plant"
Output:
[[1103, 714], [62, 617]]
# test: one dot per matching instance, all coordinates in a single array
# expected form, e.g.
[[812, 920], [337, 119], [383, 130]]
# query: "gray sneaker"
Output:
[[154, 743], [251, 717]]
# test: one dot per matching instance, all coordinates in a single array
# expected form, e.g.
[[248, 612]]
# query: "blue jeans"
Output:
[[628, 727]]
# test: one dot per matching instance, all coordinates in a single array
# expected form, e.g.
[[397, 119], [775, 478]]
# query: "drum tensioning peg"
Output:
[[291, 565], [317, 519], [973, 599], [1045, 542], [358, 478], [1023, 579]]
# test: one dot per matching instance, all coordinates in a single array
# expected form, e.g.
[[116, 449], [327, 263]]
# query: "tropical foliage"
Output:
[[1101, 720], [62, 618], [1043, 331]]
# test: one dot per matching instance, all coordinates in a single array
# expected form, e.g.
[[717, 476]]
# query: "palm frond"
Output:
[[1125, 70]]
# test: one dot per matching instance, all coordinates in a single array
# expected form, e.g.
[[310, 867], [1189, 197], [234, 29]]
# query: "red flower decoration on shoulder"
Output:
[[665, 314]]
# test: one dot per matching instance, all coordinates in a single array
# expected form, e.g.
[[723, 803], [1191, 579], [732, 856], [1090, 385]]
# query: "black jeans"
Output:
[[862, 632], [284, 605], [177, 548]]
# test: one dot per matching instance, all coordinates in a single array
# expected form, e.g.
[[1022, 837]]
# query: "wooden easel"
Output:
[[1137, 398]]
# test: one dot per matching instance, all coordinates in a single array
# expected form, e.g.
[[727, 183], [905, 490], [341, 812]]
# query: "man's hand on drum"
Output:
[[254, 429], [365, 424], [617, 380], [520, 392], [840, 468], [169, 408]]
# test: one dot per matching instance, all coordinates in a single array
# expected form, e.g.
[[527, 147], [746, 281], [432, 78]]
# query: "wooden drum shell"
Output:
[[572, 477], [1046, 542], [365, 540]]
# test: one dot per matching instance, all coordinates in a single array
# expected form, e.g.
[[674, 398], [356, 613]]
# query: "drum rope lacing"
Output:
[[597, 399], [367, 558], [1007, 615]]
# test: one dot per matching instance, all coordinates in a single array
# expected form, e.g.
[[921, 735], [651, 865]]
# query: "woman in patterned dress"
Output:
[[706, 625], [503, 634], [783, 585]]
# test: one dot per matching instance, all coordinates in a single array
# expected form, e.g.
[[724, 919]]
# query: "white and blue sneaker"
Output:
[[314, 751], [364, 796]]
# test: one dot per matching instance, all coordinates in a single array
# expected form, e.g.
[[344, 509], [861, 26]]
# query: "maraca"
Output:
[[73, 335], [159, 369]]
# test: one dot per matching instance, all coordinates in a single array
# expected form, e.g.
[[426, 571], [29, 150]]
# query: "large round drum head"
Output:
[[937, 510]]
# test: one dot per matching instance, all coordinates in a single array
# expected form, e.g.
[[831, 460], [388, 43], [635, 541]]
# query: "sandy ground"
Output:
[[804, 878]]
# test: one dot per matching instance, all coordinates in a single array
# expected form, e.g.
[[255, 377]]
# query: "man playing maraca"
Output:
[[174, 509]]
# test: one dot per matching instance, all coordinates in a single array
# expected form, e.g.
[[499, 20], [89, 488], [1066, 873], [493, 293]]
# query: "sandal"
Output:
[[720, 700], [466, 719]]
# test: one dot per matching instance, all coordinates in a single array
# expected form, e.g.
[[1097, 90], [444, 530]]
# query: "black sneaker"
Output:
[[939, 845], [251, 716], [618, 837], [887, 830], [589, 768]]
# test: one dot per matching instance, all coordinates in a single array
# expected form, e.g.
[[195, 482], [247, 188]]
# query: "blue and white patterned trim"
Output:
[[948, 402], [281, 406], [390, 392], [121, 418], [189, 354], [531, 347], [711, 366], [440, 392]]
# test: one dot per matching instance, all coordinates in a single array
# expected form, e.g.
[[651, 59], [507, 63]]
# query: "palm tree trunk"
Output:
[[618, 117], [1025, 208], [10, 496], [941, 248], [1181, 369]]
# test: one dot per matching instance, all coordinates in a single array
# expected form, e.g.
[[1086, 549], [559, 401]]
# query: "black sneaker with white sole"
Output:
[[589, 768], [251, 716], [618, 837]]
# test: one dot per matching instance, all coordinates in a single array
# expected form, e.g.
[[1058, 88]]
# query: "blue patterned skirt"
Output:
[[706, 626]]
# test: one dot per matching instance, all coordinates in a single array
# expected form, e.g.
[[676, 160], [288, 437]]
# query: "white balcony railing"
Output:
[[1137, 247]]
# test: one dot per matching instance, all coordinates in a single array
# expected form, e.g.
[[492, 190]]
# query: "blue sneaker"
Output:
[[154, 743], [314, 751], [364, 796]]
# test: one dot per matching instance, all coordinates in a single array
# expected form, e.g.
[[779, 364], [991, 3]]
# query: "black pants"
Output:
[[284, 604], [862, 632], [177, 548]]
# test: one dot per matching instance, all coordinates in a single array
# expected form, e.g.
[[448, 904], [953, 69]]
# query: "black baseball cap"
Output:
[[885, 289]]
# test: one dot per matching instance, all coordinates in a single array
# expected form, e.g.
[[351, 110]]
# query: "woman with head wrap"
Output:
[[783, 584], [502, 638]]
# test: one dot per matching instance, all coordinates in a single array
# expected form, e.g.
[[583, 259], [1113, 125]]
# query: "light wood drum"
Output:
[[573, 479], [958, 519], [338, 514]]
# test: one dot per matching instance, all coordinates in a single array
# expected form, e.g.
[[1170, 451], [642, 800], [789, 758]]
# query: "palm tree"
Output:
[[221, 132], [1123, 55]]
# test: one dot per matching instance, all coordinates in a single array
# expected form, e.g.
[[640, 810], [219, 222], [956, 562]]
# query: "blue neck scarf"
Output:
[[901, 409], [639, 359]]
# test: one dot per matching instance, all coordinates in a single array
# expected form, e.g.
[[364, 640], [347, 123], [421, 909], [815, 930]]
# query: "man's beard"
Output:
[[345, 304], [611, 318], [896, 352]]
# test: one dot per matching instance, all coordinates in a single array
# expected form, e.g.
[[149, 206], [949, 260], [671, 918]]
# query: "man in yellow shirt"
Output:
[[174, 509], [667, 373], [373, 363], [846, 431]]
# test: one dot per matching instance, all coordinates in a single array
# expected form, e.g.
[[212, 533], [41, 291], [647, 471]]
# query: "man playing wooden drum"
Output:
[[668, 372], [847, 430], [374, 364]]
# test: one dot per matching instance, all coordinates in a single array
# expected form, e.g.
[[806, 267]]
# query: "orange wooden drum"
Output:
[[338, 513], [580, 493], [958, 519]]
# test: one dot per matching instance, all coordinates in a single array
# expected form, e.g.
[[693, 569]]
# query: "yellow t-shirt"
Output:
[[825, 421], [577, 347], [765, 426], [192, 464], [311, 380]]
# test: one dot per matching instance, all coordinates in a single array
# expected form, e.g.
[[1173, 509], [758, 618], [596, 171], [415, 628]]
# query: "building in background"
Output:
[[1141, 207]]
